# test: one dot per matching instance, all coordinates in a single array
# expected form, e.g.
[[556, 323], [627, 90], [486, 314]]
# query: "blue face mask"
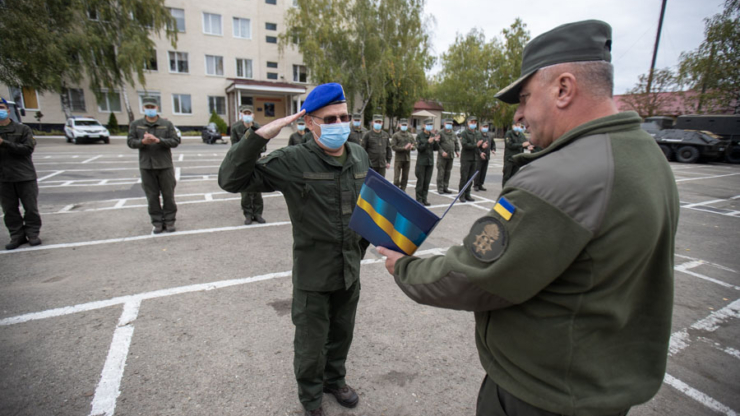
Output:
[[248, 118], [472, 126], [334, 135], [301, 127], [404, 128], [150, 112], [484, 129], [518, 129], [4, 115], [356, 123], [377, 126], [428, 127], [448, 126]]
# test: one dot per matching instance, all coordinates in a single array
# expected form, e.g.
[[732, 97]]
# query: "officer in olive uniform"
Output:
[[358, 131], [252, 203], [484, 155], [300, 136], [514, 144], [377, 144], [402, 143], [154, 137], [570, 275], [426, 145], [18, 181], [448, 149], [470, 139], [320, 181]]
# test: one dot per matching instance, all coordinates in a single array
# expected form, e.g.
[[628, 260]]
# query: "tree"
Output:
[[113, 124], [58, 42], [713, 69], [220, 123], [652, 103]]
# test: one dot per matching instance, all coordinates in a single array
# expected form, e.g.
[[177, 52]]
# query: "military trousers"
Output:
[[423, 178], [495, 401], [509, 170], [252, 204], [14, 194], [444, 170], [401, 173], [379, 169], [467, 169], [482, 167], [324, 326], [158, 182]]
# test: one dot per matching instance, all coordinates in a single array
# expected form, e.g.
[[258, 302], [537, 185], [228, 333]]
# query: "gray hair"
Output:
[[594, 77]]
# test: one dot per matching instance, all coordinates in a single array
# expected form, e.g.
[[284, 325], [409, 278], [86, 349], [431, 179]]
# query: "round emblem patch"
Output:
[[487, 239]]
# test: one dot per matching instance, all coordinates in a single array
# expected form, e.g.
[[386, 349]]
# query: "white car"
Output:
[[81, 129]]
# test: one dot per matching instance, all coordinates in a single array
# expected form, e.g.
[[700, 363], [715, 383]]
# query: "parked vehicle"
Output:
[[688, 146], [85, 129], [211, 135], [727, 127], [706, 134]]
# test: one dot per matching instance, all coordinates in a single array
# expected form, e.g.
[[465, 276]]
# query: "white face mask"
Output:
[[248, 118]]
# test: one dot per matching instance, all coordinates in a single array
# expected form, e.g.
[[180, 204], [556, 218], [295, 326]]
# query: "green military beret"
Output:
[[378, 117], [403, 121], [589, 40], [149, 101], [243, 108], [356, 116], [429, 121], [472, 118]]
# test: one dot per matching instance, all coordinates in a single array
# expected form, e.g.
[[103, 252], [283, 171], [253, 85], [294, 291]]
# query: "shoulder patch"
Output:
[[487, 239]]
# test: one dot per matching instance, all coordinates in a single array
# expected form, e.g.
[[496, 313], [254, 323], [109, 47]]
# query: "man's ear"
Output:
[[567, 90]]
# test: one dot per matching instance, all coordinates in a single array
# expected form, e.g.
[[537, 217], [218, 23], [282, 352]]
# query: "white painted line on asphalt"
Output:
[[710, 279], [109, 387], [120, 169], [178, 172], [209, 197], [67, 208], [91, 159], [719, 266], [680, 340], [706, 177], [49, 176], [120, 204], [182, 156], [728, 350], [699, 204], [698, 396]]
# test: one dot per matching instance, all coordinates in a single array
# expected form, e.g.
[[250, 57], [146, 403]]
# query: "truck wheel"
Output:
[[687, 154], [733, 156], [667, 152]]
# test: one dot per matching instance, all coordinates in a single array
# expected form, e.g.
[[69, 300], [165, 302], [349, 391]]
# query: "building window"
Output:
[[214, 65], [243, 68], [272, 75], [179, 62], [300, 74], [272, 64], [246, 100], [25, 97], [110, 102], [92, 14], [217, 104], [151, 63], [152, 94], [271, 1], [242, 28], [76, 98], [271, 39], [179, 15], [181, 104], [271, 26], [269, 109], [212, 24]]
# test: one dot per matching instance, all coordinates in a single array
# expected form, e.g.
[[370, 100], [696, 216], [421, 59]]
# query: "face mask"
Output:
[[448, 126], [334, 135], [484, 129], [428, 127], [404, 128], [472, 126], [248, 118], [301, 127], [356, 123], [518, 129], [150, 112], [377, 126], [4, 115]]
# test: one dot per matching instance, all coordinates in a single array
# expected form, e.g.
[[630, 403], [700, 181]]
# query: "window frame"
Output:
[[269, 39], [234, 26], [251, 68], [177, 26], [296, 71], [107, 93], [186, 60], [220, 24], [270, 75], [210, 108], [179, 96], [68, 91], [216, 74]]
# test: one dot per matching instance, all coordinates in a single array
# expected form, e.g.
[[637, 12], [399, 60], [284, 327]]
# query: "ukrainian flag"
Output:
[[504, 208], [388, 217]]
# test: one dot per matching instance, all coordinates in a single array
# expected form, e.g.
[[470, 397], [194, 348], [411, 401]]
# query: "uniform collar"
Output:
[[315, 148]]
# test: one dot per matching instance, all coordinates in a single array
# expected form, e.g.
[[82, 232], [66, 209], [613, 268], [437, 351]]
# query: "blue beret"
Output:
[[2, 100], [323, 95]]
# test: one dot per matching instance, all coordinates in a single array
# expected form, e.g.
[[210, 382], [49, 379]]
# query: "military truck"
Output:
[[726, 127], [694, 137]]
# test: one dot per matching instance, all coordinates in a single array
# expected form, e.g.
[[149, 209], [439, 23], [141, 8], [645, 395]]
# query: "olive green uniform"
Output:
[[468, 156], [252, 202], [481, 163], [321, 194], [18, 181], [298, 138], [581, 328], [448, 144], [356, 135], [513, 145], [424, 165], [377, 144], [402, 163], [156, 167]]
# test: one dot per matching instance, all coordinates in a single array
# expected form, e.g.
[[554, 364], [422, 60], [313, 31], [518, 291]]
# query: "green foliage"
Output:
[[113, 124], [713, 69], [220, 123], [652, 103]]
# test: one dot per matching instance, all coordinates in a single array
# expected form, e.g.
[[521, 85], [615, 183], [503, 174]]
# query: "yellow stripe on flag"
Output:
[[503, 212], [401, 241]]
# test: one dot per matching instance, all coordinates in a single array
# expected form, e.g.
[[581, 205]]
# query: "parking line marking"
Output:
[[706, 177], [49, 176], [697, 395], [91, 159], [67, 208], [182, 156], [178, 172], [120, 203]]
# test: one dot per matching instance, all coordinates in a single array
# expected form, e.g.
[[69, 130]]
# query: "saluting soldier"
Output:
[[300, 136], [470, 139], [449, 148], [377, 144], [18, 181], [154, 137], [426, 144], [514, 144], [484, 155], [402, 143], [358, 131], [321, 181], [252, 203]]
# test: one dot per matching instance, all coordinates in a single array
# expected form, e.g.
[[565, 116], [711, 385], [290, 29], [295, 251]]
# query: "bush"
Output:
[[220, 123], [113, 124]]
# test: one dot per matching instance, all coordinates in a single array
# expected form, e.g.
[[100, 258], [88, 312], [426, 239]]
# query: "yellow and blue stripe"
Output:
[[504, 208]]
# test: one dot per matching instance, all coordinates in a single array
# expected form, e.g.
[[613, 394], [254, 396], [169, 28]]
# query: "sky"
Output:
[[634, 25]]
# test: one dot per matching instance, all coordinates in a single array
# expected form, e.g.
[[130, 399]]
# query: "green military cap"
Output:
[[378, 117], [472, 118], [485, 123], [403, 121], [429, 121], [243, 108], [301, 120], [149, 101], [447, 120], [588, 40], [356, 116]]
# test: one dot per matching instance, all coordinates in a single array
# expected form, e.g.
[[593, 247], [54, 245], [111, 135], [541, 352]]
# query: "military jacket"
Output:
[[16, 163], [487, 138], [513, 145], [581, 327], [425, 150], [469, 143], [298, 137], [448, 144], [356, 135], [399, 140], [321, 195], [238, 130], [378, 147], [153, 156]]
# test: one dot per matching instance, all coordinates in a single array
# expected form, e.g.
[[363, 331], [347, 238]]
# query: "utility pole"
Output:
[[655, 49]]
